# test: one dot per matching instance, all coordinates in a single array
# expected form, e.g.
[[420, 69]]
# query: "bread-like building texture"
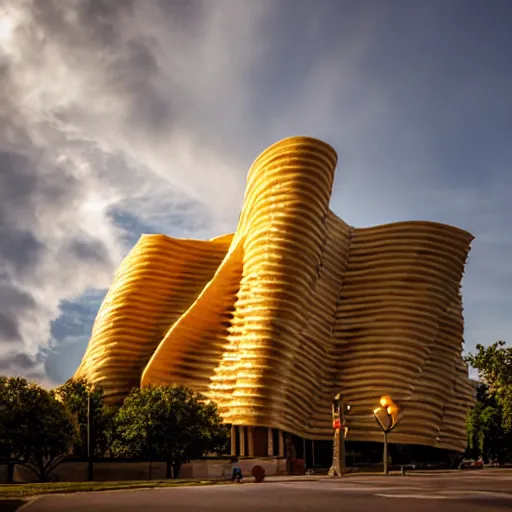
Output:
[[295, 306]]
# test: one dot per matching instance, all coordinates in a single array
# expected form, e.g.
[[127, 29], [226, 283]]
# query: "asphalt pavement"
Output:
[[489, 490]]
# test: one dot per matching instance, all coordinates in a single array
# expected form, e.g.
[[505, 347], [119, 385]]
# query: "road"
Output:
[[489, 490]]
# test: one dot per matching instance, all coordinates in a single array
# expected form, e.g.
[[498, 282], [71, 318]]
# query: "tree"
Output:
[[35, 428], [74, 395], [170, 423], [487, 438], [494, 365]]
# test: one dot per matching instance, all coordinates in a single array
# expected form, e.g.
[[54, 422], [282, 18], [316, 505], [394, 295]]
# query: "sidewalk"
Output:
[[507, 472], [316, 478]]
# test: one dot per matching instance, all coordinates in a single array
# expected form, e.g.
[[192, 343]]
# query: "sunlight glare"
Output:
[[95, 204], [6, 27]]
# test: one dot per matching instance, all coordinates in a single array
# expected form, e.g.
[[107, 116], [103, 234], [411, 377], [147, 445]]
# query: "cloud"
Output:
[[122, 117], [100, 138]]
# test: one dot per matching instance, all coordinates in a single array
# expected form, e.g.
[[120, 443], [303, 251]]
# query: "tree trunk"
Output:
[[41, 470], [43, 477], [10, 473], [176, 469]]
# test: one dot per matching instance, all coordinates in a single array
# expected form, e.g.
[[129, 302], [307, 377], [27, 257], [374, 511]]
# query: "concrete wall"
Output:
[[121, 471]]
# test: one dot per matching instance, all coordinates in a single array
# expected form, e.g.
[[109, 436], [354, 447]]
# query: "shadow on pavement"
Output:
[[11, 505]]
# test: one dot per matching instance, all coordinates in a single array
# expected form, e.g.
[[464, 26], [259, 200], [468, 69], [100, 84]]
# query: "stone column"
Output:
[[270, 442], [250, 439], [241, 430], [233, 440], [281, 443]]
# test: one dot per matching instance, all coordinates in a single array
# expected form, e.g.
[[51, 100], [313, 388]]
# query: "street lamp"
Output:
[[340, 432], [90, 475], [387, 418]]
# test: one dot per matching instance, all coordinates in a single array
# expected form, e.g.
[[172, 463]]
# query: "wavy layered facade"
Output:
[[294, 307]]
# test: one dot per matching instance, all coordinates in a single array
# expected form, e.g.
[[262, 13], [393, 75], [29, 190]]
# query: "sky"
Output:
[[122, 117]]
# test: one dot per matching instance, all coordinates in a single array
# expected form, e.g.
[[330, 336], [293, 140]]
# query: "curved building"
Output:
[[294, 307]]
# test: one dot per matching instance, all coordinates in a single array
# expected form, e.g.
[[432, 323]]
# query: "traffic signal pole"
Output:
[[338, 452], [338, 455], [341, 439]]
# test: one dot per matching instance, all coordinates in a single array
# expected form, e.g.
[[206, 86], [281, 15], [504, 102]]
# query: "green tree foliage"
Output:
[[74, 394], [487, 438], [35, 428], [494, 365], [168, 423]]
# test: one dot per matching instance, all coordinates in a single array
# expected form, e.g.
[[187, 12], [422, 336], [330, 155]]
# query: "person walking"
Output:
[[236, 472]]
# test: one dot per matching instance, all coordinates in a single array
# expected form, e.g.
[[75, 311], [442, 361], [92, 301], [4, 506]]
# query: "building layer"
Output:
[[295, 306]]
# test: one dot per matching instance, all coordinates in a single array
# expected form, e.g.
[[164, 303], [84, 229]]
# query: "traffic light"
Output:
[[336, 406], [339, 410], [336, 409]]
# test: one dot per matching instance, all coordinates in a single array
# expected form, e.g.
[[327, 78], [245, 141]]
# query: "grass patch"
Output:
[[27, 490]]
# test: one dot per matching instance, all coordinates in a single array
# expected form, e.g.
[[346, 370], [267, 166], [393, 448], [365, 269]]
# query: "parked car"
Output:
[[471, 464]]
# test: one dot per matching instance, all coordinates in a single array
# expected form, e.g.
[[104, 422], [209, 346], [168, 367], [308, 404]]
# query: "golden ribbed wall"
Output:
[[272, 321], [155, 284]]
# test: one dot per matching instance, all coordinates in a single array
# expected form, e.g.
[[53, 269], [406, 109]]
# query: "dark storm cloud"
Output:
[[24, 190], [20, 364], [19, 249], [25, 185], [9, 330], [18, 183], [14, 304], [136, 76], [21, 361], [156, 108], [97, 27], [85, 247], [42, 242]]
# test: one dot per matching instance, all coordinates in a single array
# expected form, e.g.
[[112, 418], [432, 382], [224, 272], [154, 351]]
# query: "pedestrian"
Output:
[[236, 473]]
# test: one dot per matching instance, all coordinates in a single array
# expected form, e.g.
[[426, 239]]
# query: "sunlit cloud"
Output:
[[132, 116]]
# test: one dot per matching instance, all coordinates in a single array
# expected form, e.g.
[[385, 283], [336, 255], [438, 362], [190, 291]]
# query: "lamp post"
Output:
[[150, 454], [340, 431], [90, 475], [387, 418]]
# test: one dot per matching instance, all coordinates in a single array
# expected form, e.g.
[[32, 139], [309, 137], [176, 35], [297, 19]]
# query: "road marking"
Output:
[[448, 495], [416, 496], [29, 502], [344, 487], [503, 495]]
